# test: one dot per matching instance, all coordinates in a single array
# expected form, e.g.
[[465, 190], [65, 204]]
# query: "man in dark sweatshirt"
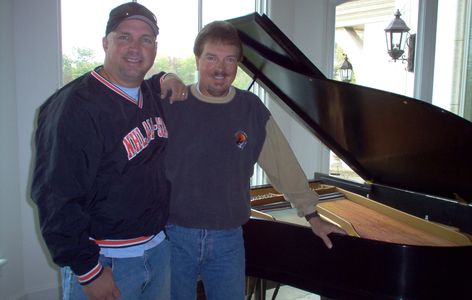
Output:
[[215, 138]]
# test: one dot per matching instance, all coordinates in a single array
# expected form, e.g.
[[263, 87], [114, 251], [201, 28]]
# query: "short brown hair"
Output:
[[218, 32]]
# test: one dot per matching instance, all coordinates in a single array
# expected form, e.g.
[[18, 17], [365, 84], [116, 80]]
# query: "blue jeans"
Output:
[[216, 256], [146, 277]]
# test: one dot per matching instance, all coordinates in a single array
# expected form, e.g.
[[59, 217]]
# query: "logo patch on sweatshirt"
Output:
[[241, 139]]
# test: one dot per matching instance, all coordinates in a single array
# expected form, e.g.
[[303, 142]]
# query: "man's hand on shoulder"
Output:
[[171, 84], [102, 288]]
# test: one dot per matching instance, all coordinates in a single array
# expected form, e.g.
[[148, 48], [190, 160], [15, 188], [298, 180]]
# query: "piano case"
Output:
[[415, 159]]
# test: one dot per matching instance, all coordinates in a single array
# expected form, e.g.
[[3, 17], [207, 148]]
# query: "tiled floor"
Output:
[[285, 293], [290, 293]]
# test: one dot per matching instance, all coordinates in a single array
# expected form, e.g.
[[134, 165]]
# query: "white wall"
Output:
[[306, 23], [11, 274], [38, 68], [30, 72]]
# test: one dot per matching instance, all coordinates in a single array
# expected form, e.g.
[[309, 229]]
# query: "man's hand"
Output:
[[102, 288], [172, 84], [322, 228]]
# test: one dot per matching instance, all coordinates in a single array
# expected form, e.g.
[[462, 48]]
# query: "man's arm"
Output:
[[66, 165], [285, 174]]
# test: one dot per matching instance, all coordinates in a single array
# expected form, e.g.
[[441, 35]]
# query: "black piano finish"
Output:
[[355, 268], [395, 143]]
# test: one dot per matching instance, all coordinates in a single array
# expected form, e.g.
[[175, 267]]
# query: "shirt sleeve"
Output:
[[67, 156], [284, 172]]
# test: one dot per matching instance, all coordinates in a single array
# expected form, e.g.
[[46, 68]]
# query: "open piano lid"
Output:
[[386, 138]]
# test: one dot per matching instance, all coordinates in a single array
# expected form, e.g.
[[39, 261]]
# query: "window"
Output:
[[450, 63], [82, 31], [178, 28], [360, 35]]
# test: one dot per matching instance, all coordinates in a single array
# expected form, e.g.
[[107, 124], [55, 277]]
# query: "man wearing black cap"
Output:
[[98, 180]]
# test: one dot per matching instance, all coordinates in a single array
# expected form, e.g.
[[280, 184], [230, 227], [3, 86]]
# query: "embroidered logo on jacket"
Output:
[[135, 141], [241, 139]]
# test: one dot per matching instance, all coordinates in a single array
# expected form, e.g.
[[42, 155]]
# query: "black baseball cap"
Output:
[[131, 10]]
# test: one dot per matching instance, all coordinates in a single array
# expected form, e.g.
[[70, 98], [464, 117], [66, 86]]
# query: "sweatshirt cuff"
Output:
[[90, 275]]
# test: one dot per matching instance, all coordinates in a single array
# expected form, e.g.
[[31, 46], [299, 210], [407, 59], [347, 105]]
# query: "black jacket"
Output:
[[99, 168]]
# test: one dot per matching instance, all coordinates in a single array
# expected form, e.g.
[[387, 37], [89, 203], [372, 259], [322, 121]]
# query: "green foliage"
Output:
[[82, 61], [184, 67]]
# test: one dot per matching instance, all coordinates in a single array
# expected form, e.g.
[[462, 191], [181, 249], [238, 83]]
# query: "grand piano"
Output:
[[416, 162]]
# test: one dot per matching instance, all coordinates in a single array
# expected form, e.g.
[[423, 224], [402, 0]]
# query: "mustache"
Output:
[[220, 73]]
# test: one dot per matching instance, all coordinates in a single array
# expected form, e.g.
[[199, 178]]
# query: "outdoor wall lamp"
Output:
[[397, 36], [346, 70]]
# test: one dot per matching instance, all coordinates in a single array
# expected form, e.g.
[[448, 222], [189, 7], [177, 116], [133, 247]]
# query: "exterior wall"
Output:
[[360, 33]]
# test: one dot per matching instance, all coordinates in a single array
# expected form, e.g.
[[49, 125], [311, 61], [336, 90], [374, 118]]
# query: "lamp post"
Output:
[[346, 70]]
